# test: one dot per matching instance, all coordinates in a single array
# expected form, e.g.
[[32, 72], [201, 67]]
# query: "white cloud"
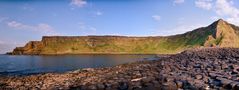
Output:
[[156, 17], [225, 7], [178, 1], [42, 27], [204, 4], [17, 25], [78, 3]]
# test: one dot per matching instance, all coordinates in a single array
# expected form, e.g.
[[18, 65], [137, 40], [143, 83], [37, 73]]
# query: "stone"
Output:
[[137, 79], [224, 81], [169, 86], [100, 86], [198, 76], [92, 87], [169, 79], [146, 80], [236, 87], [123, 86], [179, 84]]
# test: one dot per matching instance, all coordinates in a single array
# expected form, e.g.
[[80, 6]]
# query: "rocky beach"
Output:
[[119, 45], [207, 68]]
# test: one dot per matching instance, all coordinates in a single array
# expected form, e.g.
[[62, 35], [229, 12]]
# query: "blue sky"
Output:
[[25, 20]]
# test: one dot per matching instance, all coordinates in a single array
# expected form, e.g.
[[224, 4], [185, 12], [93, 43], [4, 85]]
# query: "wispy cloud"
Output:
[[223, 9], [214, 18], [42, 27], [2, 19], [185, 28], [156, 17], [204, 4], [7, 46], [98, 13], [178, 1], [87, 29], [1, 42], [179, 29], [27, 7], [78, 3]]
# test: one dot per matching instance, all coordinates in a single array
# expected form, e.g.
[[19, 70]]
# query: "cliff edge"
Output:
[[218, 34]]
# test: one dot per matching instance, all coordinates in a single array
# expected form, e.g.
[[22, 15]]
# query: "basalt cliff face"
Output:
[[218, 34]]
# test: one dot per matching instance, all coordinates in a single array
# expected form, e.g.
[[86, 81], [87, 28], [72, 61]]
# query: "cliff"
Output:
[[218, 34]]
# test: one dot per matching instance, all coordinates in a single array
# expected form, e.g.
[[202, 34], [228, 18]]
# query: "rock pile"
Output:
[[209, 68]]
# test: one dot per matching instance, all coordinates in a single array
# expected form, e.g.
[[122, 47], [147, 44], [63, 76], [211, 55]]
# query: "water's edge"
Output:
[[24, 65]]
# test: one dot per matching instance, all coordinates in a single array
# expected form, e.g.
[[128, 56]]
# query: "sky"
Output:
[[28, 20]]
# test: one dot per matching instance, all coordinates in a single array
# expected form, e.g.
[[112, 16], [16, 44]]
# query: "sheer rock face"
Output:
[[32, 47], [218, 34]]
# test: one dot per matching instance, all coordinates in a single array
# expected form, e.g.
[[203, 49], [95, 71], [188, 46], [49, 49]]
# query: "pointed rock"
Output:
[[223, 35]]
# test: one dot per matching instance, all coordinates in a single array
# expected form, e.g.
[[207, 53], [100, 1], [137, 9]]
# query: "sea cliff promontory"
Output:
[[218, 34]]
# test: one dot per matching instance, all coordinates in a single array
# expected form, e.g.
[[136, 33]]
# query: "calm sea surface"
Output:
[[28, 65]]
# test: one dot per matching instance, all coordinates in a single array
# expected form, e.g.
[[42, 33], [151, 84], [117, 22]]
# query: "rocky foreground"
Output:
[[211, 68]]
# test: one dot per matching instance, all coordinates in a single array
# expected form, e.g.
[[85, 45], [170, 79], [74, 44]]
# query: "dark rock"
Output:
[[100, 86], [169, 86], [179, 84], [123, 86], [236, 87]]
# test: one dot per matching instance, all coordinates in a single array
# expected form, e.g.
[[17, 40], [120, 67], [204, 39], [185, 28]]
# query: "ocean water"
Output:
[[28, 65]]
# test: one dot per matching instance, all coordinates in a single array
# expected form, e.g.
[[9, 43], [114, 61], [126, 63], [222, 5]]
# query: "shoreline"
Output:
[[93, 54], [214, 68], [30, 71], [156, 55]]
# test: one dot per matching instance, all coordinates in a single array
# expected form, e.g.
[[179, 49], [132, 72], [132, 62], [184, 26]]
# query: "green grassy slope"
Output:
[[136, 45]]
